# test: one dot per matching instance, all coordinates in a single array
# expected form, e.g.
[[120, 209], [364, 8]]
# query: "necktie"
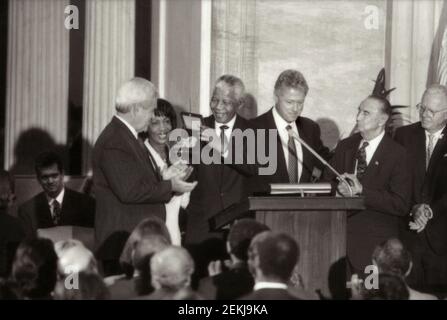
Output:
[[56, 211], [430, 147], [361, 161], [223, 138], [292, 167]]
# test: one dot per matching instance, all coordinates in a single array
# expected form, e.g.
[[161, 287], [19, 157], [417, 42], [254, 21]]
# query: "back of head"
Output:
[[136, 92], [172, 268], [392, 257], [147, 227], [391, 287], [144, 249], [291, 79], [274, 255], [75, 258], [35, 268], [241, 234], [86, 286], [6, 189]]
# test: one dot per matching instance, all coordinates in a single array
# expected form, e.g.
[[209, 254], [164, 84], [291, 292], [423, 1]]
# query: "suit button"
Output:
[[222, 194]]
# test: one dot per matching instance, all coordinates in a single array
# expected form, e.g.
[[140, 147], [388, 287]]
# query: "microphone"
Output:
[[293, 135]]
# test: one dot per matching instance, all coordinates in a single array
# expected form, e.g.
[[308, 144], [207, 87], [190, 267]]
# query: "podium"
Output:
[[318, 224], [85, 235]]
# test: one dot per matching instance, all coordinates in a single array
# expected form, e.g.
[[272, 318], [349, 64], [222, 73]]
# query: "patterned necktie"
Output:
[[56, 211], [361, 161], [430, 147], [292, 167], [223, 138]]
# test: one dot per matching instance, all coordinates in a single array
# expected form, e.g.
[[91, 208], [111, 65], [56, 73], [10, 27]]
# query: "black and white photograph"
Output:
[[235, 151]]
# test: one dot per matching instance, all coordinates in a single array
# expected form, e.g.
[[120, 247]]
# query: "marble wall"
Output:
[[326, 40]]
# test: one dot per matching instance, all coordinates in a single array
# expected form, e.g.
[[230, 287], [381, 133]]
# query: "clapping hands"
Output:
[[421, 213]]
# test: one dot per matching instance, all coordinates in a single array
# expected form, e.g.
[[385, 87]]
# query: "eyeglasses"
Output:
[[431, 113]]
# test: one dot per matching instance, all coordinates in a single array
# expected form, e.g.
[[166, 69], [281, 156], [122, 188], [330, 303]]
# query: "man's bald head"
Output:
[[433, 108]]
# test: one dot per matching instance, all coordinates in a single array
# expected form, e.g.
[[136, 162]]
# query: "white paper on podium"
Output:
[[301, 188]]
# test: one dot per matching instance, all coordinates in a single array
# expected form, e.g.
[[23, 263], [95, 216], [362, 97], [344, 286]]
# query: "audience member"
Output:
[[83, 286], [35, 268], [57, 205]]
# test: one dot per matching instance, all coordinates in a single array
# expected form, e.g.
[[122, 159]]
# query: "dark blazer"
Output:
[[309, 131], [270, 294], [78, 209], [429, 186], [11, 234], [386, 188], [219, 186], [228, 285], [127, 188]]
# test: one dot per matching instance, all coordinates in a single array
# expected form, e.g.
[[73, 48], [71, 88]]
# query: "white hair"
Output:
[[136, 92]]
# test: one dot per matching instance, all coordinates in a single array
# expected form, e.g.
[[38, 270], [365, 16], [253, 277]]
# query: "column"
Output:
[[37, 81], [109, 61]]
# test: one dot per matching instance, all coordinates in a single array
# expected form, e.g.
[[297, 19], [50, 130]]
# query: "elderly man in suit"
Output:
[[56, 205], [222, 182], [376, 167], [294, 162], [426, 144], [128, 185], [271, 259]]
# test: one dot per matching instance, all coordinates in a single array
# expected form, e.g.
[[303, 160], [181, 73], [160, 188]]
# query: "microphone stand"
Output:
[[339, 177]]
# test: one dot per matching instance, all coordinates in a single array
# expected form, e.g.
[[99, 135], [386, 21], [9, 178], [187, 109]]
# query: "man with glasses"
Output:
[[426, 143]]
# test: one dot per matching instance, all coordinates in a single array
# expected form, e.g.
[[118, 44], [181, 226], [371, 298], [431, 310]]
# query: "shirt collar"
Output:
[[229, 124], [59, 198], [269, 285], [281, 124], [374, 143], [132, 129], [437, 135]]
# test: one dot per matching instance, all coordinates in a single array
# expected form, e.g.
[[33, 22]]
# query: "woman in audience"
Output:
[[157, 142], [35, 268]]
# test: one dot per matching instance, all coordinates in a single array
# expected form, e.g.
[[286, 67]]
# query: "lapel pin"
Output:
[[376, 163]]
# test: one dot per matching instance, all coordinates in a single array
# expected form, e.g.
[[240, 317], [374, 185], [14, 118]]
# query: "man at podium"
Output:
[[375, 166]]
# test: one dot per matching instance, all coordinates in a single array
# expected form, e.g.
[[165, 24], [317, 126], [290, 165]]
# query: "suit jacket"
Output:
[[219, 186], [428, 186], [77, 210], [228, 285], [270, 294], [387, 195], [127, 188], [11, 234], [309, 131]]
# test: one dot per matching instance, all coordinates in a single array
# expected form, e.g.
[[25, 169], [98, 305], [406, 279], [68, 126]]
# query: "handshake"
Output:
[[421, 213], [178, 173]]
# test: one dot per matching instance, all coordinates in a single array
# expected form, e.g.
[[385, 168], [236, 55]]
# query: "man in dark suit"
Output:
[[128, 185], [376, 166], [222, 181], [236, 280], [56, 205], [294, 163], [426, 143], [271, 259]]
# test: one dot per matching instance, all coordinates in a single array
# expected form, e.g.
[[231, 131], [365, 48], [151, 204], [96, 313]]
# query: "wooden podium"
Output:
[[85, 235], [319, 226]]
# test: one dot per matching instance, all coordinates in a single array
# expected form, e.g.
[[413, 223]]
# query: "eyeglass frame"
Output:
[[421, 108]]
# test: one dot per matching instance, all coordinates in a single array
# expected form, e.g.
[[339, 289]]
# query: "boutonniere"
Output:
[[376, 163], [445, 156]]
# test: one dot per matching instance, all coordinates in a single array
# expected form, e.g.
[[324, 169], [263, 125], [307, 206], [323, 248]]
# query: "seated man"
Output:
[[56, 205], [236, 281], [392, 257], [271, 259]]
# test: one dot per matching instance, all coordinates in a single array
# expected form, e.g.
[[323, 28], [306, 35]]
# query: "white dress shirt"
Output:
[[281, 125], [269, 285], [59, 198], [228, 131], [373, 144], [436, 136]]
